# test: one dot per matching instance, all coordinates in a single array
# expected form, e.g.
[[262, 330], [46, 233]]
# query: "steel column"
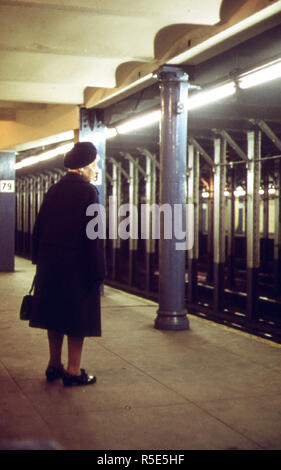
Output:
[[219, 223], [33, 188], [230, 230], [277, 227], [193, 181], [133, 202], [114, 218], [7, 211], [265, 229], [92, 129], [150, 200], [253, 222], [19, 227], [210, 239], [113, 213], [150, 243], [26, 229], [173, 143]]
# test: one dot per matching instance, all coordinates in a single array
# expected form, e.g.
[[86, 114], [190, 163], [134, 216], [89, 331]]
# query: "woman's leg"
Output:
[[55, 347], [75, 346]]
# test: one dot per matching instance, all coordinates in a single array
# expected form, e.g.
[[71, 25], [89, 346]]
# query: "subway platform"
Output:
[[209, 388]]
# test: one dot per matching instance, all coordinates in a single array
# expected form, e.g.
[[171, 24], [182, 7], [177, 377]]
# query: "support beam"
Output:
[[266, 129], [210, 236], [150, 200], [133, 202], [121, 170], [19, 220], [230, 258], [202, 152], [277, 227], [26, 227], [193, 182], [7, 211], [265, 228], [147, 153], [129, 157], [33, 191], [233, 144], [253, 223], [93, 130], [219, 223], [172, 314], [115, 202]]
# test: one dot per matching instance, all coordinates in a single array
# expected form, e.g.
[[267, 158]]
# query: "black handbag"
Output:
[[26, 305]]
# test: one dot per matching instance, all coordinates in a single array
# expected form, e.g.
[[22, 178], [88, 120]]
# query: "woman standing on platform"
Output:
[[70, 266]]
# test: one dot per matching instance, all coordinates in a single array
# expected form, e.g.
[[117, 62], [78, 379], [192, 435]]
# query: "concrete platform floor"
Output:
[[207, 388]]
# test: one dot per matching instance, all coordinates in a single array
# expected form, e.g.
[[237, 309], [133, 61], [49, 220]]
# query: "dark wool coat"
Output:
[[70, 266]]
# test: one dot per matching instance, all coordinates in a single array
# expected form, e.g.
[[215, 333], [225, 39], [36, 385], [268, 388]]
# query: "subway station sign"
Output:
[[7, 186]]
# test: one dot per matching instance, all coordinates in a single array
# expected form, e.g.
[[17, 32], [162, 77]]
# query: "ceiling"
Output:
[[52, 50], [58, 55]]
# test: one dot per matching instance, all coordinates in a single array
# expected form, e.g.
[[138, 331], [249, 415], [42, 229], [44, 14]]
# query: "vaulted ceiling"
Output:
[[57, 55]]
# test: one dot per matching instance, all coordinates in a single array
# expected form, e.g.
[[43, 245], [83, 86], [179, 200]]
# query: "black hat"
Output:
[[81, 155]]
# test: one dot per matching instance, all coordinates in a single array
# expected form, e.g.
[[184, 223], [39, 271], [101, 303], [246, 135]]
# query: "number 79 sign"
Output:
[[7, 186]]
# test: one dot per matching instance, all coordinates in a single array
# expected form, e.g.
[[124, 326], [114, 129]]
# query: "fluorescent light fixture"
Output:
[[203, 98], [200, 99], [210, 96], [140, 122], [97, 137], [110, 132], [261, 75], [53, 139], [44, 156]]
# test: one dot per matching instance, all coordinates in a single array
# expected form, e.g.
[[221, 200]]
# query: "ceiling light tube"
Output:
[[210, 96], [260, 75], [203, 98], [110, 132], [44, 156], [196, 101], [139, 122]]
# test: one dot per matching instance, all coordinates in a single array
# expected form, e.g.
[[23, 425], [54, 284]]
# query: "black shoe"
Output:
[[54, 373], [83, 379]]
